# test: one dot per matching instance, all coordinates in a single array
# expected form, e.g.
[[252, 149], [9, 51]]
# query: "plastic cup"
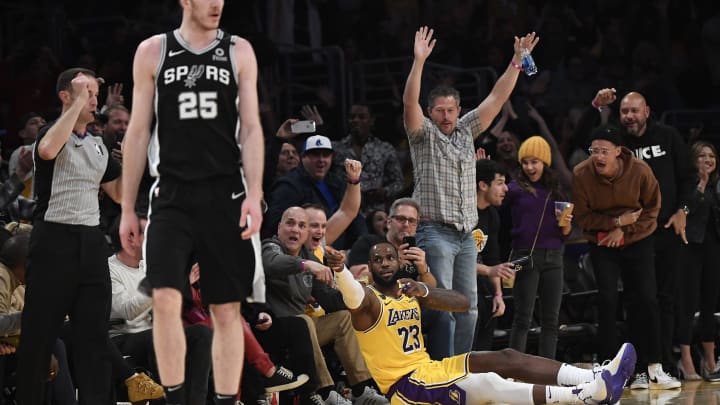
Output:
[[562, 208], [509, 283]]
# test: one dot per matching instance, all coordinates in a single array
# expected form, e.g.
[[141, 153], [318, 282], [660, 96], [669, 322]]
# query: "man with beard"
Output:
[[402, 224], [490, 192], [382, 178], [386, 319], [312, 182], [443, 155], [617, 200], [664, 150]]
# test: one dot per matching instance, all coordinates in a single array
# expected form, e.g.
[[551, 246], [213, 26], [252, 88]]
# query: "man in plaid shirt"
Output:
[[443, 156]]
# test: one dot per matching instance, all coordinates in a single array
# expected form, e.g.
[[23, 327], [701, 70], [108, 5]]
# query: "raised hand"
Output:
[[25, 163], [114, 95], [353, 168], [285, 131], [310, 112], [604, 97], [480, 154], [81, 87], [424, 43], [528, 42]]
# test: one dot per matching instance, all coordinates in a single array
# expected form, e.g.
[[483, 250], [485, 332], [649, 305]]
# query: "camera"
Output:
[[519, 262], [410, 240], [303, 127]]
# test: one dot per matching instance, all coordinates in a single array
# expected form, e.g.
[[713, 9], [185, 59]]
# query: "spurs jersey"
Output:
[[196, 110], [393, 346]]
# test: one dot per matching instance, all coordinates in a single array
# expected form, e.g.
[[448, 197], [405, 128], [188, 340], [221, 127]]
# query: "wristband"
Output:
[[353, 181], [427, 290], [516, 66], [302, 266], [499, 294], [616, 222]]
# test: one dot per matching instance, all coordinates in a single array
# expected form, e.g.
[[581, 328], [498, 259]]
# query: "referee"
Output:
[[67, 265]]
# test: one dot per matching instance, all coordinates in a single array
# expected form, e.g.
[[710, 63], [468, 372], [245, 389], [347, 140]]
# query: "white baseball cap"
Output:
[[317, 142]]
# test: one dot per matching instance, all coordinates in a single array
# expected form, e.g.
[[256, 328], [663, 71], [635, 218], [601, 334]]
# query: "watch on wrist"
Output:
[[685, 209]]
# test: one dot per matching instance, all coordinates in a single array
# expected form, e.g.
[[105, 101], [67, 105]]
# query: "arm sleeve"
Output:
[[278, 264], [127, 302], [5, 292], [282, 196], [491, 253], [329, 298], [685, 173], [112, 170], [394, 179], [10, 191], [10, 323]]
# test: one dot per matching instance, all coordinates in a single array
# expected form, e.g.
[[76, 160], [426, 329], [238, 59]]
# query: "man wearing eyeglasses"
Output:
[[402, 224], [665, 151], [617, 201]]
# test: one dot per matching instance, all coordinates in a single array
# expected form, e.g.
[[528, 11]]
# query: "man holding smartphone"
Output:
[[402, 225]]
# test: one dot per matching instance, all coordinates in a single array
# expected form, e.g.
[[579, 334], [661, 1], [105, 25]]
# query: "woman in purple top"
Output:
[[536, 233]]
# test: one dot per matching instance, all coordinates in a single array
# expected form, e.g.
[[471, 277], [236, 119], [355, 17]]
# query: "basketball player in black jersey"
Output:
[[200, 85]]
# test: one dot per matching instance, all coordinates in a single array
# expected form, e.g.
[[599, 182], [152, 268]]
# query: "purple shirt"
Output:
[[526, 210]]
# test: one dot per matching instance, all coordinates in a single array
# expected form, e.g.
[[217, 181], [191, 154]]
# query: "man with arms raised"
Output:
[[443, 156]]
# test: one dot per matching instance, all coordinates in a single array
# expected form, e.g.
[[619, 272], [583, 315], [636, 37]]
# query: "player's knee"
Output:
[[509, 355], [225, 314], [166, 301]]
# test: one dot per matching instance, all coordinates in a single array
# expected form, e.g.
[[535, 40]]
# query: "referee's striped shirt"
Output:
[[66, 188]]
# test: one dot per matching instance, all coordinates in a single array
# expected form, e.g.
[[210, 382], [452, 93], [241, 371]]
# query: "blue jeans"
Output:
[[544, 279], [438, 327], [452, 256]]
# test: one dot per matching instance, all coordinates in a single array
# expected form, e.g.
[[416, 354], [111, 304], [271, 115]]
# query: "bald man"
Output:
[[664, 150], [295, 278]]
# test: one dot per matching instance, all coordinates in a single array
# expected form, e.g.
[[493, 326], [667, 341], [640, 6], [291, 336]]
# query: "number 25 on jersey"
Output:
[[193, 105]]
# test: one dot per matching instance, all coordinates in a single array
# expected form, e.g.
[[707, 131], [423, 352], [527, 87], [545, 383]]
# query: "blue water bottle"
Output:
[[528, 63]]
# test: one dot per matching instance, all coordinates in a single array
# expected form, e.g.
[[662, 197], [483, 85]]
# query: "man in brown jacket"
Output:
[[617, 200]]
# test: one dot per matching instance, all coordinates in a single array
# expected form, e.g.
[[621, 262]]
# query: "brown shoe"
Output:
[[142, 388]]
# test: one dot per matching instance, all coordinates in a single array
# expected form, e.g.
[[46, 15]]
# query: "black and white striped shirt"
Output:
[[66, 188]]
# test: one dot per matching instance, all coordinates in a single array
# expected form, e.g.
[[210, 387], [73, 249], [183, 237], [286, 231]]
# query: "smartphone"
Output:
[[520, 262], [410, 240], [602, 235], [303, 127]]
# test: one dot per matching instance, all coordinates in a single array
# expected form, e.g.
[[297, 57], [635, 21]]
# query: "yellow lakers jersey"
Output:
[[393, 346]]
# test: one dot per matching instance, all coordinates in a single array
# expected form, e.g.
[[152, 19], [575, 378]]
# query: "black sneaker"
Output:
[[284, 380]]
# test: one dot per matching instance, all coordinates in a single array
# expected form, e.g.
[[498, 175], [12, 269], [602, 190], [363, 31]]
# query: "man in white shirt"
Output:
[[134, 336]]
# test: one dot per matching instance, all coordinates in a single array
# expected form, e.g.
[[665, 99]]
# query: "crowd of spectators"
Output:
[[327, 189]]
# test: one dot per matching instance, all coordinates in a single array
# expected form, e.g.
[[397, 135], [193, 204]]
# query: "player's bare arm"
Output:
[[439, 299], [250, 136], [137, 137]]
